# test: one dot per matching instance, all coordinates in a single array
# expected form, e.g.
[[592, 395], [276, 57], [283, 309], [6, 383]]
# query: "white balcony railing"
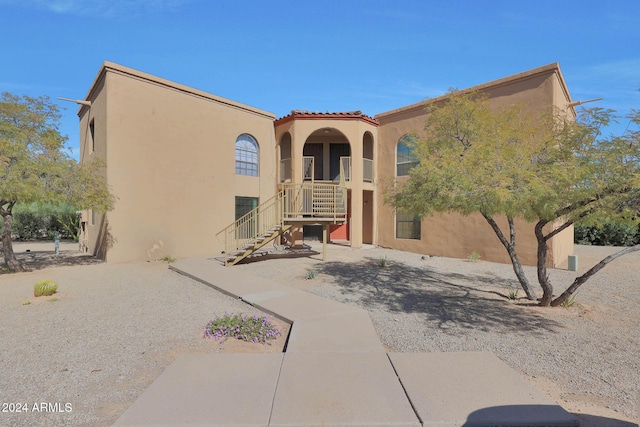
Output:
[[285, 170], [307, 168], [367, 170]]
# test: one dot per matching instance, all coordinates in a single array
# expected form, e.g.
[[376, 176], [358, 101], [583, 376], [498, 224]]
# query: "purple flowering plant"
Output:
[[255, 329]]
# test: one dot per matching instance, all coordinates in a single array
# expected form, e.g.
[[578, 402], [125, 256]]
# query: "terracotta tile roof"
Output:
[[316, 115]]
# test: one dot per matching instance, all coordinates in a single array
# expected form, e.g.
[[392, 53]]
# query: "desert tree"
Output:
[[591, 178], [508, 162], [35, 165]]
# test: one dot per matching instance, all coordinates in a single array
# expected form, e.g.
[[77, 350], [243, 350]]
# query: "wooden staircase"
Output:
[[250, 247], [295, 204]]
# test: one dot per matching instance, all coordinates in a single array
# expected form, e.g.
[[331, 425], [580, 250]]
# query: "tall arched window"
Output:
[[405, 158], [246, 155]]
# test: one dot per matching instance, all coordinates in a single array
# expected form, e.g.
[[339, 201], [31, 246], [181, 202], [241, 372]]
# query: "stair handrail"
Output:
[[249, 227]]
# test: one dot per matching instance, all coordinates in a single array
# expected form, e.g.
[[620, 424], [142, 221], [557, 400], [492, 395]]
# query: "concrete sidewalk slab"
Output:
[[234, 389], [340, 389], [474, 389], [298, 305], [230, 281], [351, 331]]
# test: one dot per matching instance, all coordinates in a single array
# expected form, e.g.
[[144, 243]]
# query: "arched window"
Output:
[[246, 155], [405, 158]]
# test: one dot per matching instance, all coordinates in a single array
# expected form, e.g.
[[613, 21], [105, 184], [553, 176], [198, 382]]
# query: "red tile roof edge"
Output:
[[338, 115]]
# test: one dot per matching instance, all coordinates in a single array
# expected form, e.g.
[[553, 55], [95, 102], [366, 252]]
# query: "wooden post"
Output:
[[324, 242]]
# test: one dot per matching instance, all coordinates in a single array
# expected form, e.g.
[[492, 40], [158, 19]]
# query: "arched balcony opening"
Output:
[[367, 157], [286, 165], [327, 156]]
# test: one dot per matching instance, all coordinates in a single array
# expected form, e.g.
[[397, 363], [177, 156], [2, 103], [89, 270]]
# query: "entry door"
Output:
[[315, 150], [341, 231]]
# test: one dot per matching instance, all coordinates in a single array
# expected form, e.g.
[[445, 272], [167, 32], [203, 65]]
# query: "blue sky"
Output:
[[324, 55]]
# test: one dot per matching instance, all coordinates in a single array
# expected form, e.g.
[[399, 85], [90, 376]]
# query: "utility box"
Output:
[[573, 262]]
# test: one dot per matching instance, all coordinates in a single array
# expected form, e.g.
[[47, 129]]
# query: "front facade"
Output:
[[184, 164]]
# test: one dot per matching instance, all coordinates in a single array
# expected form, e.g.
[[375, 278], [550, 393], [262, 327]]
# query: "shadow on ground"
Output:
[[305, 252], [597, 421], [446, 299], [38, 260], [518, 414]]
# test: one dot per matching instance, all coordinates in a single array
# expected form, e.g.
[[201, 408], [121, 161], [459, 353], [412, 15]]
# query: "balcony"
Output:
[[309, 172]]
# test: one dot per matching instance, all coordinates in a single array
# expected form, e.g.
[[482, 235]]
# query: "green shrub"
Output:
[[512, 293], [474, 257], [569, 302], [609, 233], [45, 288], [311, 274], [43, 220]]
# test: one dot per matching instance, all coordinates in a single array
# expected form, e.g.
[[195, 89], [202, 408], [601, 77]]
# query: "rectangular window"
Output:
[[407, 226], [403, 168]]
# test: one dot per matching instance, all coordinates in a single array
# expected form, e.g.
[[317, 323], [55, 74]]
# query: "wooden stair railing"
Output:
[[295, 203]]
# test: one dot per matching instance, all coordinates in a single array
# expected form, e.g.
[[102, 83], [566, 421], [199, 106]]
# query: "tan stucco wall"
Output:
[[94, 148], [171, 163], [450, 234]]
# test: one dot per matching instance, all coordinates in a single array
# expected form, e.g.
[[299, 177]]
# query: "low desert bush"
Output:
[[253, 329], [474, 257]]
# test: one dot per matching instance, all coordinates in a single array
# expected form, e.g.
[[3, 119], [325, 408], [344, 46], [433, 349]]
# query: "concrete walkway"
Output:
[[335, 372]]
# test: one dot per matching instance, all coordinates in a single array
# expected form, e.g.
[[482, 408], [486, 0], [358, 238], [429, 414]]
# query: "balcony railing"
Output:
[[307, 168], [313, 200], [309, 171], [367, 170], [345, 169], [285, 170]]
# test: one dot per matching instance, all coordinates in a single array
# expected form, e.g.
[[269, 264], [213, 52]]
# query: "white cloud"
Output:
[[108, 8], [625, 70], [411, 91]]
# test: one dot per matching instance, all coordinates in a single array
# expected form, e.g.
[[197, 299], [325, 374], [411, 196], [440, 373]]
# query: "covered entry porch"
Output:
[[333, 149]]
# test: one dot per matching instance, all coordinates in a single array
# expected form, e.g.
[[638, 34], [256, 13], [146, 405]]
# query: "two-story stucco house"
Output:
[[198, 175]]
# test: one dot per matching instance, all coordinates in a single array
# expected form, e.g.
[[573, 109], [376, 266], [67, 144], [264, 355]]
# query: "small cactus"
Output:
[[45, 288]]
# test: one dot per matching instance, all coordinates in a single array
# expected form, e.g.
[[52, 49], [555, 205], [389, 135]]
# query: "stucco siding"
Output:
[[175, 177], [450, 234]]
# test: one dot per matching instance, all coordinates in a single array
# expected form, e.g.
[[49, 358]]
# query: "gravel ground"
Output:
[[115, 328], [111, 332], [586, 357]]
